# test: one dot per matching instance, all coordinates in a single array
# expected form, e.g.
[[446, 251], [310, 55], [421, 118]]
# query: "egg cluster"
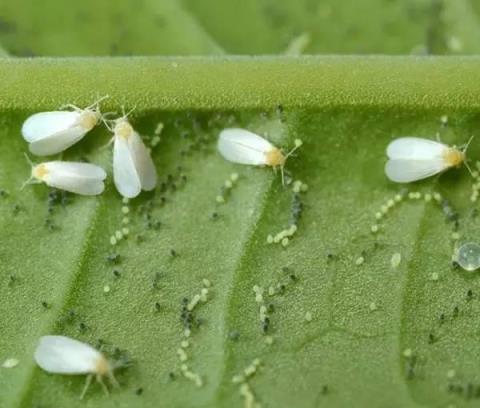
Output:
[[409, 159]]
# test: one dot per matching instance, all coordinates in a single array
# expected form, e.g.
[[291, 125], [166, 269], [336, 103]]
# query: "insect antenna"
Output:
[[466, 145], [97, 102], [464, 151], [109, 123], [70, 106], [126, 115], [30, 180], [468, 168], [298, 143]]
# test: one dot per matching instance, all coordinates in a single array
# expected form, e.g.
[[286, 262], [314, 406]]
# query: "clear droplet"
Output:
[[468, 256]]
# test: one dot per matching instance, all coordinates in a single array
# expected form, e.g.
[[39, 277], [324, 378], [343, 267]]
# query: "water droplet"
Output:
[[468, 256]]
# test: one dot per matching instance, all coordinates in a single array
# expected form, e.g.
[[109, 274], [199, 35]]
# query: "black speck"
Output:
[[157, 306], [469, 391], [449, 212], [139, 391], [12, 278], [455, 311], [113, 258], [410, 372], [16, 209], [156, 279], [234, 335]]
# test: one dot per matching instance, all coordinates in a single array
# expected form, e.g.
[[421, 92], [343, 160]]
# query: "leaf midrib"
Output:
[[212, 83]]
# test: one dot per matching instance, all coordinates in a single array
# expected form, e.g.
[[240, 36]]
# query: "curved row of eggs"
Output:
[[410, 159]]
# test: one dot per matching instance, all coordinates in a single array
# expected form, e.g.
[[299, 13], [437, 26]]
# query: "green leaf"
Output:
[[343, 333], [363, 317], [88, 28]]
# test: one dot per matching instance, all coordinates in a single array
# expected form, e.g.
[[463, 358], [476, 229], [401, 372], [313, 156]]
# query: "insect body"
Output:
[[413, 158], [133, 168], [245, 147], [63, 355], [53, 132], [79, 178]]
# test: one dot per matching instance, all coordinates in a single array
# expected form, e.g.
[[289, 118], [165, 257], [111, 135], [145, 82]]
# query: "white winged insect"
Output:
[[53, 132], [63, 355], [245, 147], [133, 167], [414, 158], [75, 177]]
